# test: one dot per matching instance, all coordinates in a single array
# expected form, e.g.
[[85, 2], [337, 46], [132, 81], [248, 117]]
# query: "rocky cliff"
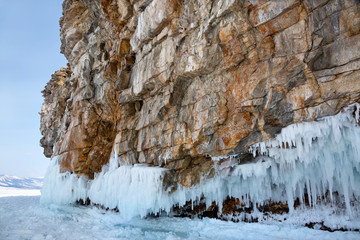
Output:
[[179, 83]]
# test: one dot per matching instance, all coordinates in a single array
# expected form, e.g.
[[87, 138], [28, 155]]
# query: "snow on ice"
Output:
[[24, 218]]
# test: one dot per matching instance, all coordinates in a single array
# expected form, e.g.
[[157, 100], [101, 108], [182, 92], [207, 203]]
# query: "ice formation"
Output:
[[133, 190], [62, 188], [319, 159]]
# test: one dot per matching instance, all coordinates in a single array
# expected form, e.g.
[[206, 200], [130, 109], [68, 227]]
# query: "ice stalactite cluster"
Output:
[[320, 159], [315, 162], [133, 190], [62, 188]]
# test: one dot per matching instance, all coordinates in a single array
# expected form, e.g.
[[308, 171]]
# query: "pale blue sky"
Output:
[[29, 54]]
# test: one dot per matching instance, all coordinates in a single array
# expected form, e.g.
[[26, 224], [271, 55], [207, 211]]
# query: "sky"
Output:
[[29, 54]]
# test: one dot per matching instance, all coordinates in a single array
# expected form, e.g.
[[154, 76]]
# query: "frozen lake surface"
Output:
[[22, 217]]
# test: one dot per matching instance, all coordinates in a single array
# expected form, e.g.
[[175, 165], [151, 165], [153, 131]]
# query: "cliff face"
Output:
[[175, 83]]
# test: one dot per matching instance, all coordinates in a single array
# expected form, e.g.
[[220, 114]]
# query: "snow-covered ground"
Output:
[[8, 192], [22, 217]]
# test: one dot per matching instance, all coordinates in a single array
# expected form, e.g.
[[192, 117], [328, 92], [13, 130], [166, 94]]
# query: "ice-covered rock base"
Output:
[[313, 164]]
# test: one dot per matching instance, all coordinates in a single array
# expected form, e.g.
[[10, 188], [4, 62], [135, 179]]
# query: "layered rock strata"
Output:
[[177, 83]]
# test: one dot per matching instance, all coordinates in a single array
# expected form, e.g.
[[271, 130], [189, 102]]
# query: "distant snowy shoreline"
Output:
[[20, 186]]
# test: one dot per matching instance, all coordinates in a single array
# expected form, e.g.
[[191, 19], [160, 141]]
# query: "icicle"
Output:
[[317, 158]]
